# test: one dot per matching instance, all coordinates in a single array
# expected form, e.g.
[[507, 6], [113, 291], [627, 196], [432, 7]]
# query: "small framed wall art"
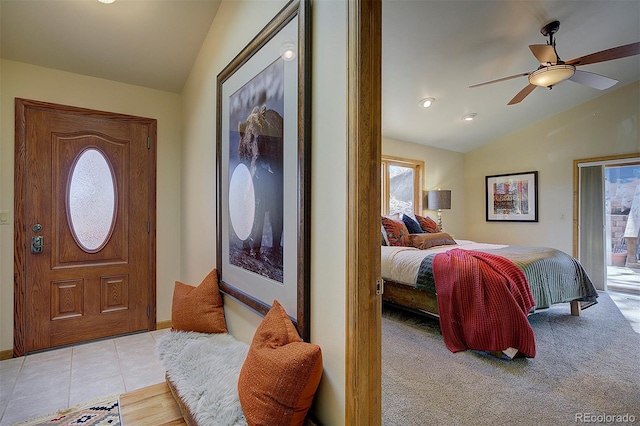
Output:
[[512, 197]]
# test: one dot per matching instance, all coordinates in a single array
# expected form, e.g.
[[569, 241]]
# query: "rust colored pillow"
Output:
[[198, 308], [281, 373], [396, 230], [428, 240], [427, 224]]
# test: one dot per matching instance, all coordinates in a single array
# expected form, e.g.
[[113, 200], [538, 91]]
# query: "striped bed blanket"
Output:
[[553, 276], [483, 301]]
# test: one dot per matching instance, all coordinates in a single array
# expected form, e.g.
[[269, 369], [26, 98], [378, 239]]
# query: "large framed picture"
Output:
[[263, 169], [512, 197]]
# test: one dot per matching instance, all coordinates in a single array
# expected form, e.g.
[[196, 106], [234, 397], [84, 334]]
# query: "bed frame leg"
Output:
[[575, 308]]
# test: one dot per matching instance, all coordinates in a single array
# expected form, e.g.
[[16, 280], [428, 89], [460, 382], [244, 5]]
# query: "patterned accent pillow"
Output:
[[384, 241], [397, 232], [412, 225], [427, 224]]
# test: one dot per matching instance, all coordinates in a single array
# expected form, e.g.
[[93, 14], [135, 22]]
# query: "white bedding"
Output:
[[401, 264]]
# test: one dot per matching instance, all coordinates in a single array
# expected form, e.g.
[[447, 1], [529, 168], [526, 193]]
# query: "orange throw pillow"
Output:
[[427, 224], [281, 373], [198, 308]]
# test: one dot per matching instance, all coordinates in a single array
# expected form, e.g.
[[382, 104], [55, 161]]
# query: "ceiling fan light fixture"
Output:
[[551, 75], [469, 117], [426, 102]]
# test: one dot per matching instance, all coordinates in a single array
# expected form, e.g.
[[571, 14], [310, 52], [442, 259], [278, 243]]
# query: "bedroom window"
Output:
[[401, 185]]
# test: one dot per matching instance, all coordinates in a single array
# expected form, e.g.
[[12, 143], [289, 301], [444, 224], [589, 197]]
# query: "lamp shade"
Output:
[[439, 199]]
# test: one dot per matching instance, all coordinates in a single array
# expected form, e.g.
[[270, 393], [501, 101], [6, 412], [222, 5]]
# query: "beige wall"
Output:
[[233, 28], [443, 169], [43, 84], [605, 126]]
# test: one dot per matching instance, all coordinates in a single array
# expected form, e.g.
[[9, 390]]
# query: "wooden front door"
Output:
[[85, 213]]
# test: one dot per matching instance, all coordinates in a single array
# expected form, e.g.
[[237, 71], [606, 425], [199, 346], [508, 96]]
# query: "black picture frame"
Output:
[[512, 197], [263, 169]]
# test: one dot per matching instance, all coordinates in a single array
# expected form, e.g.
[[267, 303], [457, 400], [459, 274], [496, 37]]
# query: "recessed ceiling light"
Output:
[[469, 117], [426, 102]]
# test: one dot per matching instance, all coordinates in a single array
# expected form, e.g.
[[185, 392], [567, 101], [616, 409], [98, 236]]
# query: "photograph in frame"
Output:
[[512, 197], [256, 173], [262, 161]]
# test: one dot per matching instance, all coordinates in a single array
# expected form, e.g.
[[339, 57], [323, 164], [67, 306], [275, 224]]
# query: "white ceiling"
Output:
[[430, 49], [150, 43], [439, 48]]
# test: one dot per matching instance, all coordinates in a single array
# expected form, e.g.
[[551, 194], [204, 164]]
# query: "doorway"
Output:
[[84, 225], [622, 210], [608, 192]]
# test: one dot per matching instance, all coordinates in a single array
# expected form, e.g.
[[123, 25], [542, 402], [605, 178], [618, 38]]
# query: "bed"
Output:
[[553, 276]]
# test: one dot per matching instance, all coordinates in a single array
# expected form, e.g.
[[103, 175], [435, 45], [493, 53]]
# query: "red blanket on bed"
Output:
[[483, 302]]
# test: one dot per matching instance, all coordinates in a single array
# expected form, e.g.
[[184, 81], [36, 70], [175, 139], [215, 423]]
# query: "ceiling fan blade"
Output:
[[594, 80], [524, 74], [607, 55], [522, 94], [544, 53]]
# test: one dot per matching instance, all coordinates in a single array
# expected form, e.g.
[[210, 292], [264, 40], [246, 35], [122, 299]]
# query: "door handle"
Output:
[[36, 244]]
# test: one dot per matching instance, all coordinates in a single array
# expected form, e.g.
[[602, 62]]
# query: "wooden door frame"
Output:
[[363, 387], [20, 188]]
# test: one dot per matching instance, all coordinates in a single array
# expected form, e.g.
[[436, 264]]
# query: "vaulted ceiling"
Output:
[[430, 49], [142, 42], [439, 48]]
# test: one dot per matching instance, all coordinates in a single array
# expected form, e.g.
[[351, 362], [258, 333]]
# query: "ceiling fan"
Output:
[[553, 70]]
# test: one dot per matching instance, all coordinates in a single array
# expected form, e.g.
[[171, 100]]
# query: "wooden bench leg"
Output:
[[575, 308]]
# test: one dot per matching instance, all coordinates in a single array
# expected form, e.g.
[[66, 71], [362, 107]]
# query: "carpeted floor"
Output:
[[585, 367], [102, 412]]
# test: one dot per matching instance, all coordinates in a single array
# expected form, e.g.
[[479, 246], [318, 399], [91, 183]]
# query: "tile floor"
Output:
[[623, 279], [623, 286], [45, 382], [629, 305]]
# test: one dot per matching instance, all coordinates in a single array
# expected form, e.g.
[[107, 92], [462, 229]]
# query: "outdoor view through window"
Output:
[[401, 189]]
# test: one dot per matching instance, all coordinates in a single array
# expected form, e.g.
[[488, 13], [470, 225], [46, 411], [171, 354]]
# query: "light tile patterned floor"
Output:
[[624, 288], [45, 382]]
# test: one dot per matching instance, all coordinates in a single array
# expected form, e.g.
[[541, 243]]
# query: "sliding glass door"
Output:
[[608, 221]]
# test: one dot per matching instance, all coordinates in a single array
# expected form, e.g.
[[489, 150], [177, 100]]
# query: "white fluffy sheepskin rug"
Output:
[[205, 369]]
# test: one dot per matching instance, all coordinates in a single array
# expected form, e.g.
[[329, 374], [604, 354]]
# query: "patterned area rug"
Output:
[[103, 412]]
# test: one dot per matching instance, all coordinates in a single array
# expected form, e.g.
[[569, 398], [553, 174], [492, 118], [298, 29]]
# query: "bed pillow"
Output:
[[428, 240], [385, 241], [396, 231], [427, 224], [281, 373], [198, 308], [412, 225], [394, 216]]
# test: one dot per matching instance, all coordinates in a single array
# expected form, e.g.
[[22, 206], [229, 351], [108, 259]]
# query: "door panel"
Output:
[[88, 281], [67, 251]]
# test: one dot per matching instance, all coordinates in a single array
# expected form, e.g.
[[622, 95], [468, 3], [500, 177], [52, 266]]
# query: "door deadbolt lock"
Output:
[[36, 244], [36, 228]]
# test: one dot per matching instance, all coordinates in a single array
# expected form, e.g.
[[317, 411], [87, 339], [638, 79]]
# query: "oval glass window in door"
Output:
[[91, 200]]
